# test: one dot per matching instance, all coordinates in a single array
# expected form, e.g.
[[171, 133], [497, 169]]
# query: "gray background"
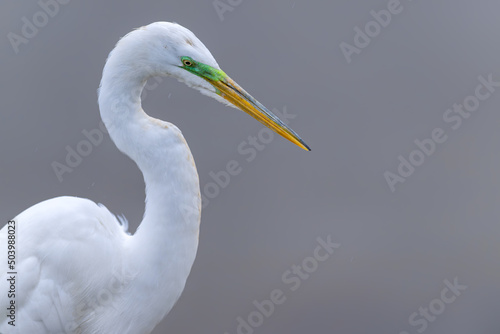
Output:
[[396, 248]]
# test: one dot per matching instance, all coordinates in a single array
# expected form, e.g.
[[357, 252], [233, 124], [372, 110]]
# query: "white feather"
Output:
[[79, 271]]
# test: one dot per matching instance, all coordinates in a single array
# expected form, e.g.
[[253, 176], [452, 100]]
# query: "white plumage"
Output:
[[79, 271]]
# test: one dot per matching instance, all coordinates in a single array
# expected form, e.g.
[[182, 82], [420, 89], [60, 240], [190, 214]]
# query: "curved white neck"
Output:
[[163, 249]]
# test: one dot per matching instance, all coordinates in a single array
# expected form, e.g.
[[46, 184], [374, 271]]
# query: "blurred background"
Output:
[[359, 99]]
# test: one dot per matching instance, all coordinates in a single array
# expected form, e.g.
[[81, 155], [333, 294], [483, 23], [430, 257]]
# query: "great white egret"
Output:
[[76, 269]]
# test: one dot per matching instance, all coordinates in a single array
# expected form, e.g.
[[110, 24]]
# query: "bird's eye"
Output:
[[187, 62]]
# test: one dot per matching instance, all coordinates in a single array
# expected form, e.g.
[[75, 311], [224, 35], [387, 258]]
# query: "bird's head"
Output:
[[169, 49]]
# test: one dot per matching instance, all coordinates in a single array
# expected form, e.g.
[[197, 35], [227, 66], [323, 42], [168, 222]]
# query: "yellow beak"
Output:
[[232, 92]]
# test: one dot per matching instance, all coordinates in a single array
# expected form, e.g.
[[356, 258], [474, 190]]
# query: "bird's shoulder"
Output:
[[68, 250], [68, 216]]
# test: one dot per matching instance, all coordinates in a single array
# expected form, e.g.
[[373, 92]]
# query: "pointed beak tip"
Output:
[[304, 146]]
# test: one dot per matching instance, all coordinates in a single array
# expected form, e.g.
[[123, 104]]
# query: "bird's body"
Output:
[[78, 269]]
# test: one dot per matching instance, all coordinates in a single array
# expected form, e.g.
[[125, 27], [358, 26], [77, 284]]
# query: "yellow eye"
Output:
[[187, 62]]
